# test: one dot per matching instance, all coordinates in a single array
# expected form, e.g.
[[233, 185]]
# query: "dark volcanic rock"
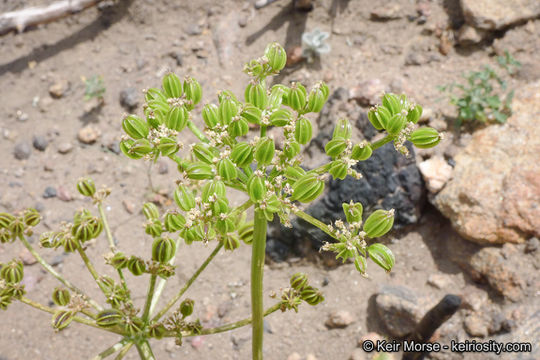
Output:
[[391, 180]]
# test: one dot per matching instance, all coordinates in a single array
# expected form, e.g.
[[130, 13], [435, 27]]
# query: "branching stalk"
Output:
[[231, 326], [315, 222], [149, 296], [78, 319], [195, 130], [90, 267], [59, 277], [385, 140], [112, 349], [188, 283]]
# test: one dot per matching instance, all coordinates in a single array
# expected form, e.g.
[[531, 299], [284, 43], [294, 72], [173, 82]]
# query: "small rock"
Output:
[[40, 142], [39, 207], [339, 319], [26, 257], [49, 192], [92, 105], [372, 336], [398, 309], [311, 357], [178, 56], [170, 346], [473, 298], [141, 63], [193, 29], [129, 206], [445, 44], [197, 342], [475, 325], [438, 124], [57, 260], [368, 92], [224, 308], [266, 327], [439, 281], [22, 151], [242, 21], [502, 275], [294, 356], [532, 245], [65, 148], [21, 116], [211, 311], [45, 104], [386, 12], [436, 173], [88, 134], [129, 98], [163, 167], [427, 114], [58, 89], [294, 56], [63, 194], [414, 58], [469, 35]]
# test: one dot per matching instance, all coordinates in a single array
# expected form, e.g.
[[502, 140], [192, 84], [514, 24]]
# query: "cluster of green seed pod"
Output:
[[352, 237], [398, 117], [224, 157], [300, 290], [84, 227], [167, 112], [11, 226], [11, 274]]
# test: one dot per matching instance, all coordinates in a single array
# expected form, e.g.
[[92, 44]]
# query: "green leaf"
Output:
[[382, 256]]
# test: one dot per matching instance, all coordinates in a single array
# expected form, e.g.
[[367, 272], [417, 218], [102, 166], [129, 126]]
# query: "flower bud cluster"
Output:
[[352, 237], [300, 290], [398, 117]]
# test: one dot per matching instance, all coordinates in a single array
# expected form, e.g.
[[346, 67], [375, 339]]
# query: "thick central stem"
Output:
[[145, 351], [257, 270]]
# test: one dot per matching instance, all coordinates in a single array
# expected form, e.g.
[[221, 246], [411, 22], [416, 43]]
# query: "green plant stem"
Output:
[[89, 314], [78, 319], [188, 283], [112, 246], [123, 352], [377, 144], [106, 227], [235, 325], [144, 349], [90, 268], [149, 297], [315, 222], [59, 277], [263, 131], [195, 130], [240, 209], [226, 327], [257, 271], [112, 349], [162, 282]]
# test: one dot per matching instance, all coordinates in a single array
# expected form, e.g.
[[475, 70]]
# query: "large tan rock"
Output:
[[494, 195], [497, 14]]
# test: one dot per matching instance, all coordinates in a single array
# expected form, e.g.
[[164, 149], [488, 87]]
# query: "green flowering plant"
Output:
[[226, 156], [484, 96]]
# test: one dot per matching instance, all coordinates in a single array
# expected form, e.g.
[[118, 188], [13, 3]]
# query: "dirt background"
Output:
[[132, 44]]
